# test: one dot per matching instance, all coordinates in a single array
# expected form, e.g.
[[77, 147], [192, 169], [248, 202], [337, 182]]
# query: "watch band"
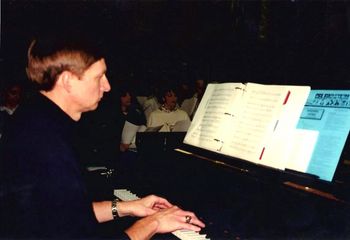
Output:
[[115, 208]]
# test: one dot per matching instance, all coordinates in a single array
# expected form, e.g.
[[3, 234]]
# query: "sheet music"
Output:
[[248, 121], [277, 150], [208, 122], [260, 111]]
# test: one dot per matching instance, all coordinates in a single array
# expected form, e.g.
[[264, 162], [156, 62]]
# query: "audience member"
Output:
[[168, 114], [10, 99], [43, 194], [129, 112]]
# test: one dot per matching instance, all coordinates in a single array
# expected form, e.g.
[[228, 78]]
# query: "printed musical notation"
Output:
[[240, 120]]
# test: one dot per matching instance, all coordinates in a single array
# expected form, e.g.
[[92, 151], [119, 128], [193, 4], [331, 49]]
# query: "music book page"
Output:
[[328, 112], [276, 151], [248, 121], [213, 114]]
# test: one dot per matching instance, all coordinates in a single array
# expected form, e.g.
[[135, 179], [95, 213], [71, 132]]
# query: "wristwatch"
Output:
[[115, 208]]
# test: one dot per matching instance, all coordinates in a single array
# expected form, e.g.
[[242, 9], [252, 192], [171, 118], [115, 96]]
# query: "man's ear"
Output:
[[64, 80]]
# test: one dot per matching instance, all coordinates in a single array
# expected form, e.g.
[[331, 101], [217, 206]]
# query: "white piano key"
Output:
[[188, 234]]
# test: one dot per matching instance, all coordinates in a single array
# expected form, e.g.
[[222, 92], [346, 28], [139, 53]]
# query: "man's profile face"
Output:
[[88, 90]]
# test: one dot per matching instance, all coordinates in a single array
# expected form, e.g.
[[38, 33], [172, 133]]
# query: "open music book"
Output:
[[253, 122]]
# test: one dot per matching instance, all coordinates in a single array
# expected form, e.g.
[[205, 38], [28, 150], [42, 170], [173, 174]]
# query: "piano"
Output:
[[235, 198]]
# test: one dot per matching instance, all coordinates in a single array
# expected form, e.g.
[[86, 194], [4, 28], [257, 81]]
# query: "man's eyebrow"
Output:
[[101, 74]]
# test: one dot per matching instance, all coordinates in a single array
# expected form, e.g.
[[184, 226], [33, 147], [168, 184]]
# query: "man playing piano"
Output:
[[42, 191]]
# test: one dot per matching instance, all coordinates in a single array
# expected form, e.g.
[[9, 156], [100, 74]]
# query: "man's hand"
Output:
[[143, 207], [164, 221]]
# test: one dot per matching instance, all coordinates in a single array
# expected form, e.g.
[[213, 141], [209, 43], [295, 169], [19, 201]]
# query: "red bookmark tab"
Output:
[[262, 153], [286, 99]]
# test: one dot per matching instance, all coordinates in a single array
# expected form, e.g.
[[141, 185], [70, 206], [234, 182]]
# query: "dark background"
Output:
[[283, 42]]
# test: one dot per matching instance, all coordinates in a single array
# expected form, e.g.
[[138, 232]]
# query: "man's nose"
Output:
[[106, 87]]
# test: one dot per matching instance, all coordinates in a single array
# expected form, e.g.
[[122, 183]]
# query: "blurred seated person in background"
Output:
[[130, 114], [190, 105], [43, 194], [10, 99], [168, 114]]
